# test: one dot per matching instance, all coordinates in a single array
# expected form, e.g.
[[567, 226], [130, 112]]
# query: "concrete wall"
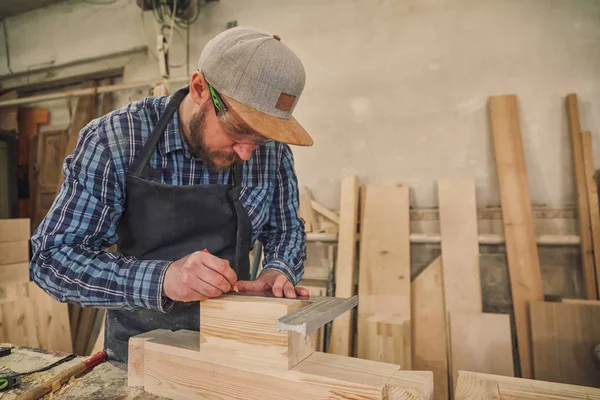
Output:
[[405, 81]]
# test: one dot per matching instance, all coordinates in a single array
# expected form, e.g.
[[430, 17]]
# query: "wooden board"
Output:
[[585, 232], [52, 321], [12, 292], [564, 336], [246, 324], [306, 211], [460, 245], [521, 247], [14, 252], [480, 342], [472, 385], [592, 196], [384, 332], [429, 341], [345, 269], [15, 229], [320, 334], [180, 365], [14, 273], [18, 324]]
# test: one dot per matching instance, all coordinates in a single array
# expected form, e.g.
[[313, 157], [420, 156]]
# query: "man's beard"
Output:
[[201, 150]]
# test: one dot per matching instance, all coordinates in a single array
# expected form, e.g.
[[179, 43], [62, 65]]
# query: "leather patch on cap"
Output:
[[285, 102]]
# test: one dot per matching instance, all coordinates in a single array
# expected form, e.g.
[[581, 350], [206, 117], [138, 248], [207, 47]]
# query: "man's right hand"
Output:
[[198, 276]]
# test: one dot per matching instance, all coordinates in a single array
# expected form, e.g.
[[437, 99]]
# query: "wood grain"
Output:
[[585, 232], [179, 365], [521, 247], [14, 229], [345, 269], [52, 321], [470, 387], [429, 339], [480, 343], [528, 389], [564, 336], [592, 197], [384, 332], [247, 324], [9, 293], [14, 252], [18, 324], [460, 245], [14, 273]]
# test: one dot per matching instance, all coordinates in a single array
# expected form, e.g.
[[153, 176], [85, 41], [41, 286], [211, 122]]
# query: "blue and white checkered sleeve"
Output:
[[283, 236], [69, 260]]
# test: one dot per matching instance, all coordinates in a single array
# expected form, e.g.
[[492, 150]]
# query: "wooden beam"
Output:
[[460, 245], [521, 248], [509, 388], [592, 196], [181, 365], [585, 233], [428, 319], [384, 332], [564, 336], [246, 324], [342, 329]]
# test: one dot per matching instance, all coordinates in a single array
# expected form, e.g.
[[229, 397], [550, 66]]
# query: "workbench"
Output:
[[105, 381]]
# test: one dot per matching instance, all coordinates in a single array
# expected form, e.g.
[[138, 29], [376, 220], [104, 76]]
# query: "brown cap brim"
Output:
[[279, 129]]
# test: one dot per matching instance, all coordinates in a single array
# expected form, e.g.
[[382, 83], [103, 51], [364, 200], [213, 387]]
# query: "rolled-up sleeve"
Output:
[[69, 260], [283, 236]]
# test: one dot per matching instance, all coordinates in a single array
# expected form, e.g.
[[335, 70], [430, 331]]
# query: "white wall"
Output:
[[406, 81]]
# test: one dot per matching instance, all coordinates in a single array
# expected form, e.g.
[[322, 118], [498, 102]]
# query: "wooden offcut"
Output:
[[592, 195], [428, 320], [384, 332], [521, 247], [472, 385], [585, 233], [480, 342], [460, 245], [564, 336], [345, 268]]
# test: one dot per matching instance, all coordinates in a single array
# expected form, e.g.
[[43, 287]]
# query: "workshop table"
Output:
[[105, 381]]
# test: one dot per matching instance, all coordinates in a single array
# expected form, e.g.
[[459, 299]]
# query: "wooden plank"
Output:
[[15, 229], [384, 332], [585, 232], [320, 334], [324, 211], [480, 342], [247, 324], [460, 245], [12, 292], [429, 340], [528, 389], [564, 336], [592, 197], [14, 273], [311, 224], [14, 252], [471, 387], [52, 321], [135, 356], [521, 247], [345, 269], [18, 324], [181, 365]]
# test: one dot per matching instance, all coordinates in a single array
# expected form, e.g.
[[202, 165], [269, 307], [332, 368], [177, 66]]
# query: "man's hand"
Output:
[[276, 281], [198, 276]]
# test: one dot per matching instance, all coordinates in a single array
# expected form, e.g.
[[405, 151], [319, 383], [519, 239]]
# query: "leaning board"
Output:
[[564, 336], [384, 332]]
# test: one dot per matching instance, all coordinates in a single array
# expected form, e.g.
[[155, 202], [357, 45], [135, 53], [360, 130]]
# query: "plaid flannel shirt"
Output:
[[69, 260]]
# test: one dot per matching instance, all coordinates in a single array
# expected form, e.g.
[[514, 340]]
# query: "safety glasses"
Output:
[[238, 137]]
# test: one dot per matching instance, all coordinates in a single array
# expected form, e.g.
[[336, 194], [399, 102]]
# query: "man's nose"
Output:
[[244, 150]]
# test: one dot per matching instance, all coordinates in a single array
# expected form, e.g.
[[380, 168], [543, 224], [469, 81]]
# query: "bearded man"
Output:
[[184, 185]]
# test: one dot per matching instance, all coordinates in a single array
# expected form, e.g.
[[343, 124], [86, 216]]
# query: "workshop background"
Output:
[[398, 92]]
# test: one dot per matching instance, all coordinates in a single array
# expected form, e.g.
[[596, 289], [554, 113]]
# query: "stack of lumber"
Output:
[[28, 316], [317, 218]]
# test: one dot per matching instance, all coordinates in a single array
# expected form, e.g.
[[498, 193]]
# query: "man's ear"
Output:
[[199, 88]]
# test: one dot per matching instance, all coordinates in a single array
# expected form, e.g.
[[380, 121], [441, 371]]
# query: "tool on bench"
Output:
[[233, 287], [13, 380], [311, 317], [53, 384]]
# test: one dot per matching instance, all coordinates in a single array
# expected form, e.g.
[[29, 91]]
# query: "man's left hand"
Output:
[[273, 280]]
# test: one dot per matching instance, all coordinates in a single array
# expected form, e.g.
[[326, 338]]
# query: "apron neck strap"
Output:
[[238, 170], [143, 159]]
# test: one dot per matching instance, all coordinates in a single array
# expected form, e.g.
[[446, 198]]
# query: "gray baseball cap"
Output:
[[260, 78]]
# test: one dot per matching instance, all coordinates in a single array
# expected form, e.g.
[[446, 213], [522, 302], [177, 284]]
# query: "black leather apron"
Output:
[[165, 222]]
